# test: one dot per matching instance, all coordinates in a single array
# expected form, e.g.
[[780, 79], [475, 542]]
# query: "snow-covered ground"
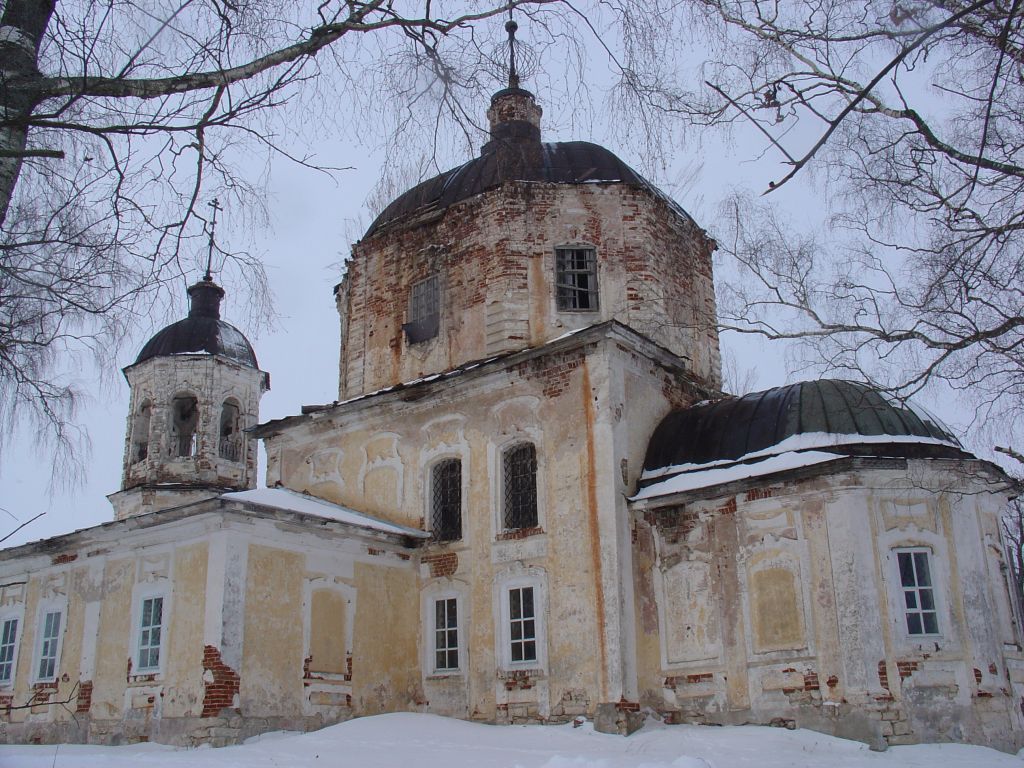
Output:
[[427, 741]]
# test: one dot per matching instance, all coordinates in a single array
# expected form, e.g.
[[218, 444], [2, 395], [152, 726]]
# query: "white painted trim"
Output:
[[17, 613], [497, 463], [937, 568], [142, 592], [444, 589], [47, 606], [512, 578], [348, 593]]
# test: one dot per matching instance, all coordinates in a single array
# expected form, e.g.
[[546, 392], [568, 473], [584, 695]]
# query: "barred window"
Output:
[[519, 471], [424, 310], [522, 625], [576, 279], [446, 634], [446, 500], [918, 592]]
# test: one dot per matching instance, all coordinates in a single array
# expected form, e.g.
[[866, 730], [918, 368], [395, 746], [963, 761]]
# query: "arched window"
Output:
[[230, 443], [140, 432], [519, 478], [184, 425], [446, 500]]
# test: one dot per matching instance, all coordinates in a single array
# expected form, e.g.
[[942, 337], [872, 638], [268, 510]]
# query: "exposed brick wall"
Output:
[[66, 557], [442, 563], [84, 697], [519, 533], [655, 276], [220, 693], [907, 668]]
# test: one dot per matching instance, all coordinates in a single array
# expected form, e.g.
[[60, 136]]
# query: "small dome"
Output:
[[840, 412], [202, 331]]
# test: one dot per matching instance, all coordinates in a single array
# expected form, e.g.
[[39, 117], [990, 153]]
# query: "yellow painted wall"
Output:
[[385, 668], [271, 674], [183, 693]]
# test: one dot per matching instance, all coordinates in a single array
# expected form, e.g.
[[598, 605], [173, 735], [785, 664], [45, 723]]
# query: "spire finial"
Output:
[[511, 27], [208, 277]]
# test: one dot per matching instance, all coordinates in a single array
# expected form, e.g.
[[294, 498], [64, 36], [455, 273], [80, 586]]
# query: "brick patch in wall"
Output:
[[67, 557], [883, 675], [442, 563], [84, 701], [907, 668], [219, 692], [811, 680], [519, 533]]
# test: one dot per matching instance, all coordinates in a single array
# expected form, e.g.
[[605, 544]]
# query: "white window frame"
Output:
[[936, 594], [45, 608], [143, 592], [445, 589], [538, 582], [19, 631], [436, 631]]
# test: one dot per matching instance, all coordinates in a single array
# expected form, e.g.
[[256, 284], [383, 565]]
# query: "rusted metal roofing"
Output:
[[728, 429], [568, 162], [202, 332]]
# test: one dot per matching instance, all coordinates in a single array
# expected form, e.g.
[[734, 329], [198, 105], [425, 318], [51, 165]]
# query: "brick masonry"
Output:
[[219, 693]]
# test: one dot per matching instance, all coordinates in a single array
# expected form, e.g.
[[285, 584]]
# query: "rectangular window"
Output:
[[424, 310], [8, 637], [522, 624], [446, 500], [150, 633], [519, 476], [918, 593], [48, 644], [446, 634], [576, 279]]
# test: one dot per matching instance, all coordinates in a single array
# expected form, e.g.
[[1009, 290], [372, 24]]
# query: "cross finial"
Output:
[[511, 27], [213, 228]]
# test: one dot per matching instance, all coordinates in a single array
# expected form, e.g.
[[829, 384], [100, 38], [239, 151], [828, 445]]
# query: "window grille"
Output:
[[48, 646], [7, 637], [520, 482], [446, 500], [918, 593], [522, 624], [149, 637], [446, 634], [424, 310], [576, 279]]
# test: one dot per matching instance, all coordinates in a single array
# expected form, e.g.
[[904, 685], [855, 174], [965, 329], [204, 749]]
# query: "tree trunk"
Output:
[[21, 31]]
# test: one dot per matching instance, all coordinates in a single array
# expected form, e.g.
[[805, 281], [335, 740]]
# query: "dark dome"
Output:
[[202, 331], [567, 162], [727, 429]]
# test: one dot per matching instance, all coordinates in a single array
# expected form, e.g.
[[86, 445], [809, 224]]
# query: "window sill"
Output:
[[519, 533], [456, 674], [145, 678]]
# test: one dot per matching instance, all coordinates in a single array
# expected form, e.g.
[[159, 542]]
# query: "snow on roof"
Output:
[[292, 501], [800, 442], [715, 474]]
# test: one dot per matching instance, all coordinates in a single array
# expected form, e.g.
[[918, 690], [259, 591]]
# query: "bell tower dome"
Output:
[[195, 390]]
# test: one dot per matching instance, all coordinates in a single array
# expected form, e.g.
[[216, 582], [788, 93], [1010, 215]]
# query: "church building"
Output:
[[530, 502]]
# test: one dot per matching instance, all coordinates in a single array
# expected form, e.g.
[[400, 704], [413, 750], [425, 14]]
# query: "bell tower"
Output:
[[195, 390]]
